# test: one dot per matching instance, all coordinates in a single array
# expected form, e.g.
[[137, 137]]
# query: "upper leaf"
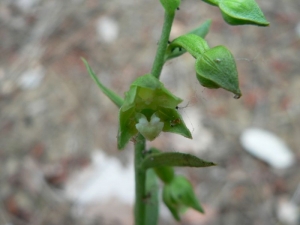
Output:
[[192, 43], [212, 2], [201, 31], [240, 12]]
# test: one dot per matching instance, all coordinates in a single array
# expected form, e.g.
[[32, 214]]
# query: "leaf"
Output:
[[217, 68], [173, 159], [165, 173], [109, 93], [240, 12], [212, 2], [192, 43], [152, 207], [201, 31]]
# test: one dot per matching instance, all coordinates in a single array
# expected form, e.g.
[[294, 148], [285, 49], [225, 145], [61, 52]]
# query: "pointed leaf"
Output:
[[217, 68], [212, 2], [201, 31], [192, 43], [165, 173], [109, 93], [173, 159], [240, 12]]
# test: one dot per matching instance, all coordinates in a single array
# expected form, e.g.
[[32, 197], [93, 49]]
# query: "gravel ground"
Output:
[[53, 117]]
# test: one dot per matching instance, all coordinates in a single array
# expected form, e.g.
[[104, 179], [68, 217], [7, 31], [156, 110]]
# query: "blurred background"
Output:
[[59, 163]]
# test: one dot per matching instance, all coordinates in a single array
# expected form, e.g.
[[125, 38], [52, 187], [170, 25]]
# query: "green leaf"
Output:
[[192, 43], [170, 5], [217, 68], [201, 31], [165, 173], [152, 207], [212, 2], [109, 93], [179, 195], [240, 12], [173, 159]]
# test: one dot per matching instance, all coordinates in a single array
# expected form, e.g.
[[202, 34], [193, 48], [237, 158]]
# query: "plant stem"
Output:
[[140, 181], [140, 145], [162, 45]]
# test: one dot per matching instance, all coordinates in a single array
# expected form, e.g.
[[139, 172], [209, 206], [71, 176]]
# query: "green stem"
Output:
[[162, 45], [140, 181], [140, 145]]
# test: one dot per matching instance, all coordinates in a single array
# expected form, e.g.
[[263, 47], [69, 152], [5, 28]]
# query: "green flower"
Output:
[[149, 108]]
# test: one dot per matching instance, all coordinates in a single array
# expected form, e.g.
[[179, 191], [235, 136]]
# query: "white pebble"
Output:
[[107, 29], [31, 78], [267, 147], [287, 212]]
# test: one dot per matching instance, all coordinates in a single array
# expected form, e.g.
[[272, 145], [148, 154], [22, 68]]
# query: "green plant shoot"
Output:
[[148, 108]]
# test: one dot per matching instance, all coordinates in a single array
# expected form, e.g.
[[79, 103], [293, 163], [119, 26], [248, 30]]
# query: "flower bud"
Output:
[[178, 195], [170, 5]]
